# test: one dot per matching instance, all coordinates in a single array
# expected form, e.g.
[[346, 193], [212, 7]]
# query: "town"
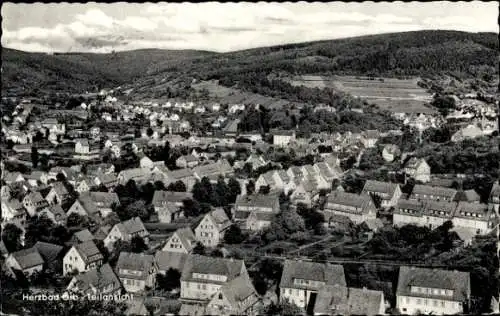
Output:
[[178, 205]]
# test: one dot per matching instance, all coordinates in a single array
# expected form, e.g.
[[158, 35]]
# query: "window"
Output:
[[419, 301], [220, 296], [426, 302], [442, 303]]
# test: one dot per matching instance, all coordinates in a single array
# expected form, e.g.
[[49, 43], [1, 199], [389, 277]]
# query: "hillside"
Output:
[[74, 72], [410, 54]]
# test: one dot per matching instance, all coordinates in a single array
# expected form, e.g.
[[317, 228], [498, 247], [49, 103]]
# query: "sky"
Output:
[[222, 27]]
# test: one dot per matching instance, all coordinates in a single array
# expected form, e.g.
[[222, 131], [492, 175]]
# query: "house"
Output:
[[58, 194], [302, 280], [389, 193], [183, 240], [137, 272], [469, 132], [470, 196], [125, 231], [282, 138], [202, 277], [429, 192], [185, 175], [166, 260], [495, 196], [12, 177], [100, 169], [82, 257], [478, 218], [306, 192], [408, 212], [213, 170], [36, 177], [210, 231], [256, 211], [83, 185], [84, 206], [97, 281], [137, 174], [109, 180], [256, 161], [237, 297], [327, 171], [82, 236], [26, 261], [436, 213], [34, 202], [168, 204], [82, 147], [104, 201], [358, 208], [418, 169], [338, 300], [370, 138], [427, 213], [13, 212], [146, 163], [187, 161], [55, 213], [390, 152], [425, 291]]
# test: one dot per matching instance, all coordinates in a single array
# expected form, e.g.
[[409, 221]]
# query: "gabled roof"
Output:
[[458, 282], [187, 237], [99, 278], [104, 199], [422, 189], [474, 211], [83, 235], [166, 260], [35, 197], [220, 218], [328, 273], [88, 251], [48, 251], [135, 262], [361, 202], [231, 268], [414, 162], [28, 258], [257, 200], [107, 178], [180, 174], [439, 208], [162, 197], [409, 207], [57, 211], [238, 290], [380, 187], [219, 167], [131, 226]]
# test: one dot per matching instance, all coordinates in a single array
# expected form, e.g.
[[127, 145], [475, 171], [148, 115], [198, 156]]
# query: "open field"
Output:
[[395, 95]]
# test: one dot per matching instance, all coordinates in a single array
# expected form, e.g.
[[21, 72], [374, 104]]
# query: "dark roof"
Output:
[[474, 211], [161, 197], [131, 226], [324, 272], [48, 251], [98, 278], [166, 260], [83, 235], [28, 258], [257, 200], [457, 281], [362, 202], [364, 301], [89, 251]]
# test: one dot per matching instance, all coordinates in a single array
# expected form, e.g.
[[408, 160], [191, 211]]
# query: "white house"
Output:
[[418, 169], [212, 227], [426, 291], [82, 257], [388, 192], [182, 240], [125, 231], [282, 138]]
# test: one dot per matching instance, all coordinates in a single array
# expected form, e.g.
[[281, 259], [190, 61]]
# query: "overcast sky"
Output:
[[225, 26]]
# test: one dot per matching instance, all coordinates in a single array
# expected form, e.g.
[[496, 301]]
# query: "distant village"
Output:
[[172, 202]]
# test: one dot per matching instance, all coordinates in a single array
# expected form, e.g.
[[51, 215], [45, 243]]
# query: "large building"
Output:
[[358, 208], [425, 291]]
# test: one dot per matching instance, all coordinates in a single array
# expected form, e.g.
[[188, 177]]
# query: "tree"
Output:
[[221, 193], [11, 236], [34, 156], [203, 191], [234, 190], [234, 235], [149, 132], [265, 189], [312, 218], [177, 186], [76, 220], [199, 249], [170, 281], [250, 187], [283, 308], [138, 245]]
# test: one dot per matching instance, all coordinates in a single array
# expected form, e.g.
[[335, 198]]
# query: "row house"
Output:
[[210, 231], [202, 277], [358, 208], [418, 169], [256, 211], [125, 231], [478, 218], [97, 281], [388, 192], [82, 258], [183, 240], [429, 192], [137, 272], [168, 204], [432, 291], [302, 280]]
